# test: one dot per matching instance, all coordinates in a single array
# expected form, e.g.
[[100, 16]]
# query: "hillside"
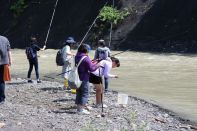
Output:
[[168, 26], [153, 26], [72, 18]]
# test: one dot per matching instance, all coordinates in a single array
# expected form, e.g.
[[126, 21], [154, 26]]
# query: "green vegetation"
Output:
[[18, 7], [107, 16], [112, 15]]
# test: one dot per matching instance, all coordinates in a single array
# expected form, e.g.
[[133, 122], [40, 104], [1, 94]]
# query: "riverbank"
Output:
[[167, 80], [47, 106]]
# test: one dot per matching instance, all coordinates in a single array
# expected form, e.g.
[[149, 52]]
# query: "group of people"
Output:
[[96, 71]]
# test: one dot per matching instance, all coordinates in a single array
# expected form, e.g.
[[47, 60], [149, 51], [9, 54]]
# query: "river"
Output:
[[168, 80]]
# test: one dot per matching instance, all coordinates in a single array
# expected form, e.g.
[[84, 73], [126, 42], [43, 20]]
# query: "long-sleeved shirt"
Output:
[[104, 70], [85, 67], [65, 53]]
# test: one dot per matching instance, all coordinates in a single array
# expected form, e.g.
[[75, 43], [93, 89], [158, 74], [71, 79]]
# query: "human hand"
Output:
[[10, 63], [44, 46], [94, 61], [115, 76]]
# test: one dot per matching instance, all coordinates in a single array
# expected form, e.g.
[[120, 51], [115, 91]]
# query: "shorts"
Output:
[[95, 79]]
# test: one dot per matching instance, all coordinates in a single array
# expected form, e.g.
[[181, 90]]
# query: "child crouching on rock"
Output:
[[84, 68]]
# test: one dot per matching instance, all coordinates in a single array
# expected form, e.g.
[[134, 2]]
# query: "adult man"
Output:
[[5, 61]]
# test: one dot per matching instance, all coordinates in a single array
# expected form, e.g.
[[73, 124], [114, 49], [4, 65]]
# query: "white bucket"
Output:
[[122, 99]]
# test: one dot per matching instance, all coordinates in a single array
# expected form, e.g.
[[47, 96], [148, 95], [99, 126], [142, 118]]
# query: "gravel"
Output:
[[47, 106]]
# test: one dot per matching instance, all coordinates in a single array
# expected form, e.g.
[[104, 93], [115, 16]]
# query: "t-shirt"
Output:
[[4, 48]]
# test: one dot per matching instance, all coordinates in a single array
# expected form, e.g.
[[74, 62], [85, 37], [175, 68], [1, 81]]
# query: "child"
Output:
[[104, 70]]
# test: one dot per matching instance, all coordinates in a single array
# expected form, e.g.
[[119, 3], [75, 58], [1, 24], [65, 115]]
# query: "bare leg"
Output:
[[98, 93]]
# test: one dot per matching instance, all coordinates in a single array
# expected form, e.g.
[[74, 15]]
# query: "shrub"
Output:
[[112, 15], [18, 7]]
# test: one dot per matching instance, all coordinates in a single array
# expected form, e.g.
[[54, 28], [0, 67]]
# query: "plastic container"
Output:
[[122, 99]]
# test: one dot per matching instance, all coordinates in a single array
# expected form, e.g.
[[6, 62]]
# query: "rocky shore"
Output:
[[47, 106]]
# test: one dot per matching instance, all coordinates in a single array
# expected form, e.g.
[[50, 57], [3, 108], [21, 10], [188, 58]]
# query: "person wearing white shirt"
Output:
[[67, 57]]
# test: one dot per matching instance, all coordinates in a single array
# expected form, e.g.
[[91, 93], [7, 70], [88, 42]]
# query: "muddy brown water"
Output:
[[168, 80]]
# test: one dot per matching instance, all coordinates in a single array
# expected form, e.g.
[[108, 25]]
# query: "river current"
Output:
[[169, 80]]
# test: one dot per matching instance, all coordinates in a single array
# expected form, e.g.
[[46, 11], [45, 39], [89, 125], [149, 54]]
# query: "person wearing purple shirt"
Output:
[[84, 68]]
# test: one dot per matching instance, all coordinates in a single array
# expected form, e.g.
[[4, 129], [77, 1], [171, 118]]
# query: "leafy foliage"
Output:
[[112, 15], [18, 7], [107, 16]]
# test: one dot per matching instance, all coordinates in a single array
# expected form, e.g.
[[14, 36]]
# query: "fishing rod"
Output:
[[88, 30], [57, 74], [121, 52], [51, 22], [90, 27]]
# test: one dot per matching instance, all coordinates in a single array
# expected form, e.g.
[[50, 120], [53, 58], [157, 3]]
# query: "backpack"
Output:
[[59, 58], [73, 78], [102, 53], [30, 53]]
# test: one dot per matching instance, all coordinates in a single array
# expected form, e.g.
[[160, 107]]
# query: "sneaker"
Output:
[[38, 81], [100, 106], [106, 90], [84, 111], [2, 102], [30, 81], [104, 106], [89, 108]]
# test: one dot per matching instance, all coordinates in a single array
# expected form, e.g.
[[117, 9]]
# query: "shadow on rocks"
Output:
[[64, 100], [51, 89], [17, 83], [68, 110]]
